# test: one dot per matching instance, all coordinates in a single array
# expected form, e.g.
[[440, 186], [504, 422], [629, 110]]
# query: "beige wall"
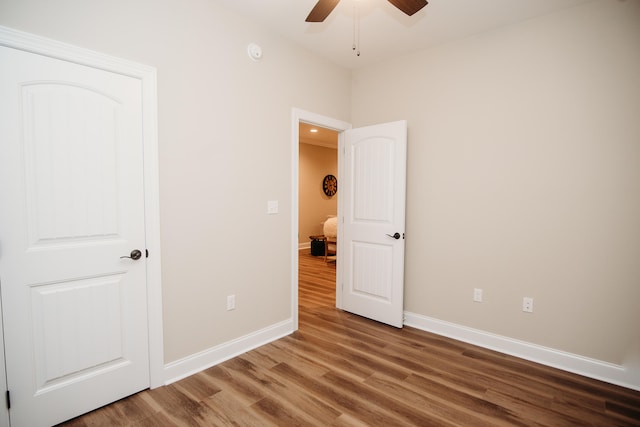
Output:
[[524, 178], [225, 149], [313, 205]]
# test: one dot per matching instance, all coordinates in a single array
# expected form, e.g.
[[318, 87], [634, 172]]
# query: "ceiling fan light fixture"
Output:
[[323, 8]]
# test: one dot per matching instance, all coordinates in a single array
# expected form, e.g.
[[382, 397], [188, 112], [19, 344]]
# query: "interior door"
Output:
[[372, 230], [72, 196]]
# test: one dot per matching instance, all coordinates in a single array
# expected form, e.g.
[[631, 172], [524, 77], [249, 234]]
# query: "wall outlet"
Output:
[[477, 295], [527, 305], [231, 302]]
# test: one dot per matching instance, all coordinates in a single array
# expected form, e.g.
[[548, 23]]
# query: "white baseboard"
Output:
[[592, 368], [306, 245], [197, 362]]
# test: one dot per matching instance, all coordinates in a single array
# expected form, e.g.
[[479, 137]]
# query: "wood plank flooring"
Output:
[[343, 370]]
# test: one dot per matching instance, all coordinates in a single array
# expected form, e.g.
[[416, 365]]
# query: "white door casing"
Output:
[[77, 328], [373, 186]]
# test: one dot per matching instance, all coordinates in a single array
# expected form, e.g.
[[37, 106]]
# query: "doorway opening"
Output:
[[317, 215], [306, 120], [317, 186]]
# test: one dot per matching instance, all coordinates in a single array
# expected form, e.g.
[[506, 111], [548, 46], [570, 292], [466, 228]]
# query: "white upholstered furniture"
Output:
[[330, 230]]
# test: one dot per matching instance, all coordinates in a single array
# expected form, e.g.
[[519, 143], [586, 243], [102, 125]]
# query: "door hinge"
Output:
[[8, 400], [146, 251]]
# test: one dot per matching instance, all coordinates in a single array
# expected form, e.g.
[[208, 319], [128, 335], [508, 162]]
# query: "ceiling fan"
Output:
[[323, 8]]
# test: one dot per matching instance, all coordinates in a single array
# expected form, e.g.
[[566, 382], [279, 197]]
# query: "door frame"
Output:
[[298, 116], [148, 77]]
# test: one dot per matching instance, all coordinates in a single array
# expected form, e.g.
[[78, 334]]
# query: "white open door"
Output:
[[371, 235], [72, 205]]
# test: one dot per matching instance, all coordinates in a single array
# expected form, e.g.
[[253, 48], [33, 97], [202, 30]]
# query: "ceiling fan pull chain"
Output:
[[356, 29], [353, 47]]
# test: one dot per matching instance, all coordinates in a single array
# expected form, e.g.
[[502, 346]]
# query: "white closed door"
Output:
[[71, 205], [371, 236]]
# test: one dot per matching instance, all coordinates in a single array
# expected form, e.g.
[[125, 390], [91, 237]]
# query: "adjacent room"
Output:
[[317, 200]]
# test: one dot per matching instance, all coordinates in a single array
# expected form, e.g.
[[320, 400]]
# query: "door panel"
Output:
[[373, 164], [77, 328], [372, 270], [374, 184], [70, 144], [72, 194]]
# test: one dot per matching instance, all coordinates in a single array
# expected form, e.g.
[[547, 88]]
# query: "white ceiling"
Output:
[[385, 32]]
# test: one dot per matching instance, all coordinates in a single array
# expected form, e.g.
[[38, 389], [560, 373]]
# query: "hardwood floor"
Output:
[[343, 370]]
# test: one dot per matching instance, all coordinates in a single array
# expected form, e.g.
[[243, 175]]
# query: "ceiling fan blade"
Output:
[[321, 10], [409, 6]]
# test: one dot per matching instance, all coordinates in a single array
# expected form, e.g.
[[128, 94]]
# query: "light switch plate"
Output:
[[272, 207]]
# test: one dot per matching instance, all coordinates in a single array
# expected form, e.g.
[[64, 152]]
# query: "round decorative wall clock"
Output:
[[330, 185]]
